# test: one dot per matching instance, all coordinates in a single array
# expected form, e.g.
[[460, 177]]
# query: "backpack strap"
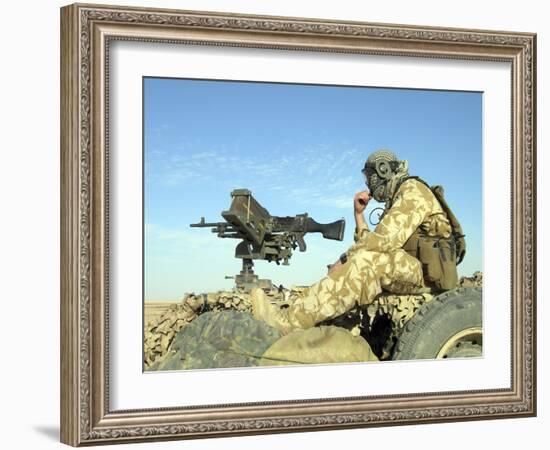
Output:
[[458, 234]]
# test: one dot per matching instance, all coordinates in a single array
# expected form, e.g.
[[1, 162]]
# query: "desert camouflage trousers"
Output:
[[358, 281]]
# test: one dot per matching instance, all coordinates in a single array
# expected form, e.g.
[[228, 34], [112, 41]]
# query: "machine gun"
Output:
[[264, 236]]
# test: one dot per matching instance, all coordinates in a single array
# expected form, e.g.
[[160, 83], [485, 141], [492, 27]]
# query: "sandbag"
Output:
[[318, 345]]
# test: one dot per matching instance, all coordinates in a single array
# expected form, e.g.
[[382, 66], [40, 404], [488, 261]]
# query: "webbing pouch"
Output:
[[449, 275], [428, 254]]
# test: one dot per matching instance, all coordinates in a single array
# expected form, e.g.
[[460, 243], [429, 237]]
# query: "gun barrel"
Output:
[[203, 224], [207, 224]]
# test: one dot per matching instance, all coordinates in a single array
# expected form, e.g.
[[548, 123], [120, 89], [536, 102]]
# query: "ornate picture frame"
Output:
[[87, 31]]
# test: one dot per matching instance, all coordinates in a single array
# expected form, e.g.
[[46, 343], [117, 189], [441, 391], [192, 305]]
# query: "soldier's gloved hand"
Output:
[[360, 201]]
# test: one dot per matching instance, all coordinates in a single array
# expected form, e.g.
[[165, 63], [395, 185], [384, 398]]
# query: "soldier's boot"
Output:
[[271, 314]]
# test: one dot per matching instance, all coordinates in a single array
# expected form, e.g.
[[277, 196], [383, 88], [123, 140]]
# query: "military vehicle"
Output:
[[217, 329]]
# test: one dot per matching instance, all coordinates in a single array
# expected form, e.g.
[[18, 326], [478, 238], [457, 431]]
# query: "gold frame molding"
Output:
[[86, 31]]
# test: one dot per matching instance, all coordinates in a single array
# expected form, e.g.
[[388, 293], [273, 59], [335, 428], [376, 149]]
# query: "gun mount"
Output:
[[265, 237]]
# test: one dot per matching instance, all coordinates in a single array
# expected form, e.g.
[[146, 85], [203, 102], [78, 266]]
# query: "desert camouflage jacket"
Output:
[[414, 205]]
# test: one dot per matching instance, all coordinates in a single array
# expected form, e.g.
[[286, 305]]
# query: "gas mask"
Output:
[[382, 171]]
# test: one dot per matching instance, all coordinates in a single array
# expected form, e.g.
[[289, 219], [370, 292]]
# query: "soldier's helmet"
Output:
[[379, 168]]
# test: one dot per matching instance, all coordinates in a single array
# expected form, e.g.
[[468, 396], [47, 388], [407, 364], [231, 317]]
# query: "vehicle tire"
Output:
[[450, 326]]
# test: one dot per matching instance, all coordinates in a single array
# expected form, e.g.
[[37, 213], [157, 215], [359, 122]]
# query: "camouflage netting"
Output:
[[400, 308], [476, 280]]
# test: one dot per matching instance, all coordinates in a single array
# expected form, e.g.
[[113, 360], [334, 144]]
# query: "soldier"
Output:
[[413, 247]]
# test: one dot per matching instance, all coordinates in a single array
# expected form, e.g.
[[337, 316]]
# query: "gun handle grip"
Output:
[[301, 243]]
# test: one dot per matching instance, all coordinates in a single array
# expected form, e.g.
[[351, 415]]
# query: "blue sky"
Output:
[[298, 148]]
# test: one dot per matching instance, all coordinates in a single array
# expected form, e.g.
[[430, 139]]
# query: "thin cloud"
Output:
[[336, 202], [201, 155]]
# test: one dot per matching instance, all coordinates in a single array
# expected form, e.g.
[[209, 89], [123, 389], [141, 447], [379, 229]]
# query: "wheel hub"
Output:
[[464, 344]]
